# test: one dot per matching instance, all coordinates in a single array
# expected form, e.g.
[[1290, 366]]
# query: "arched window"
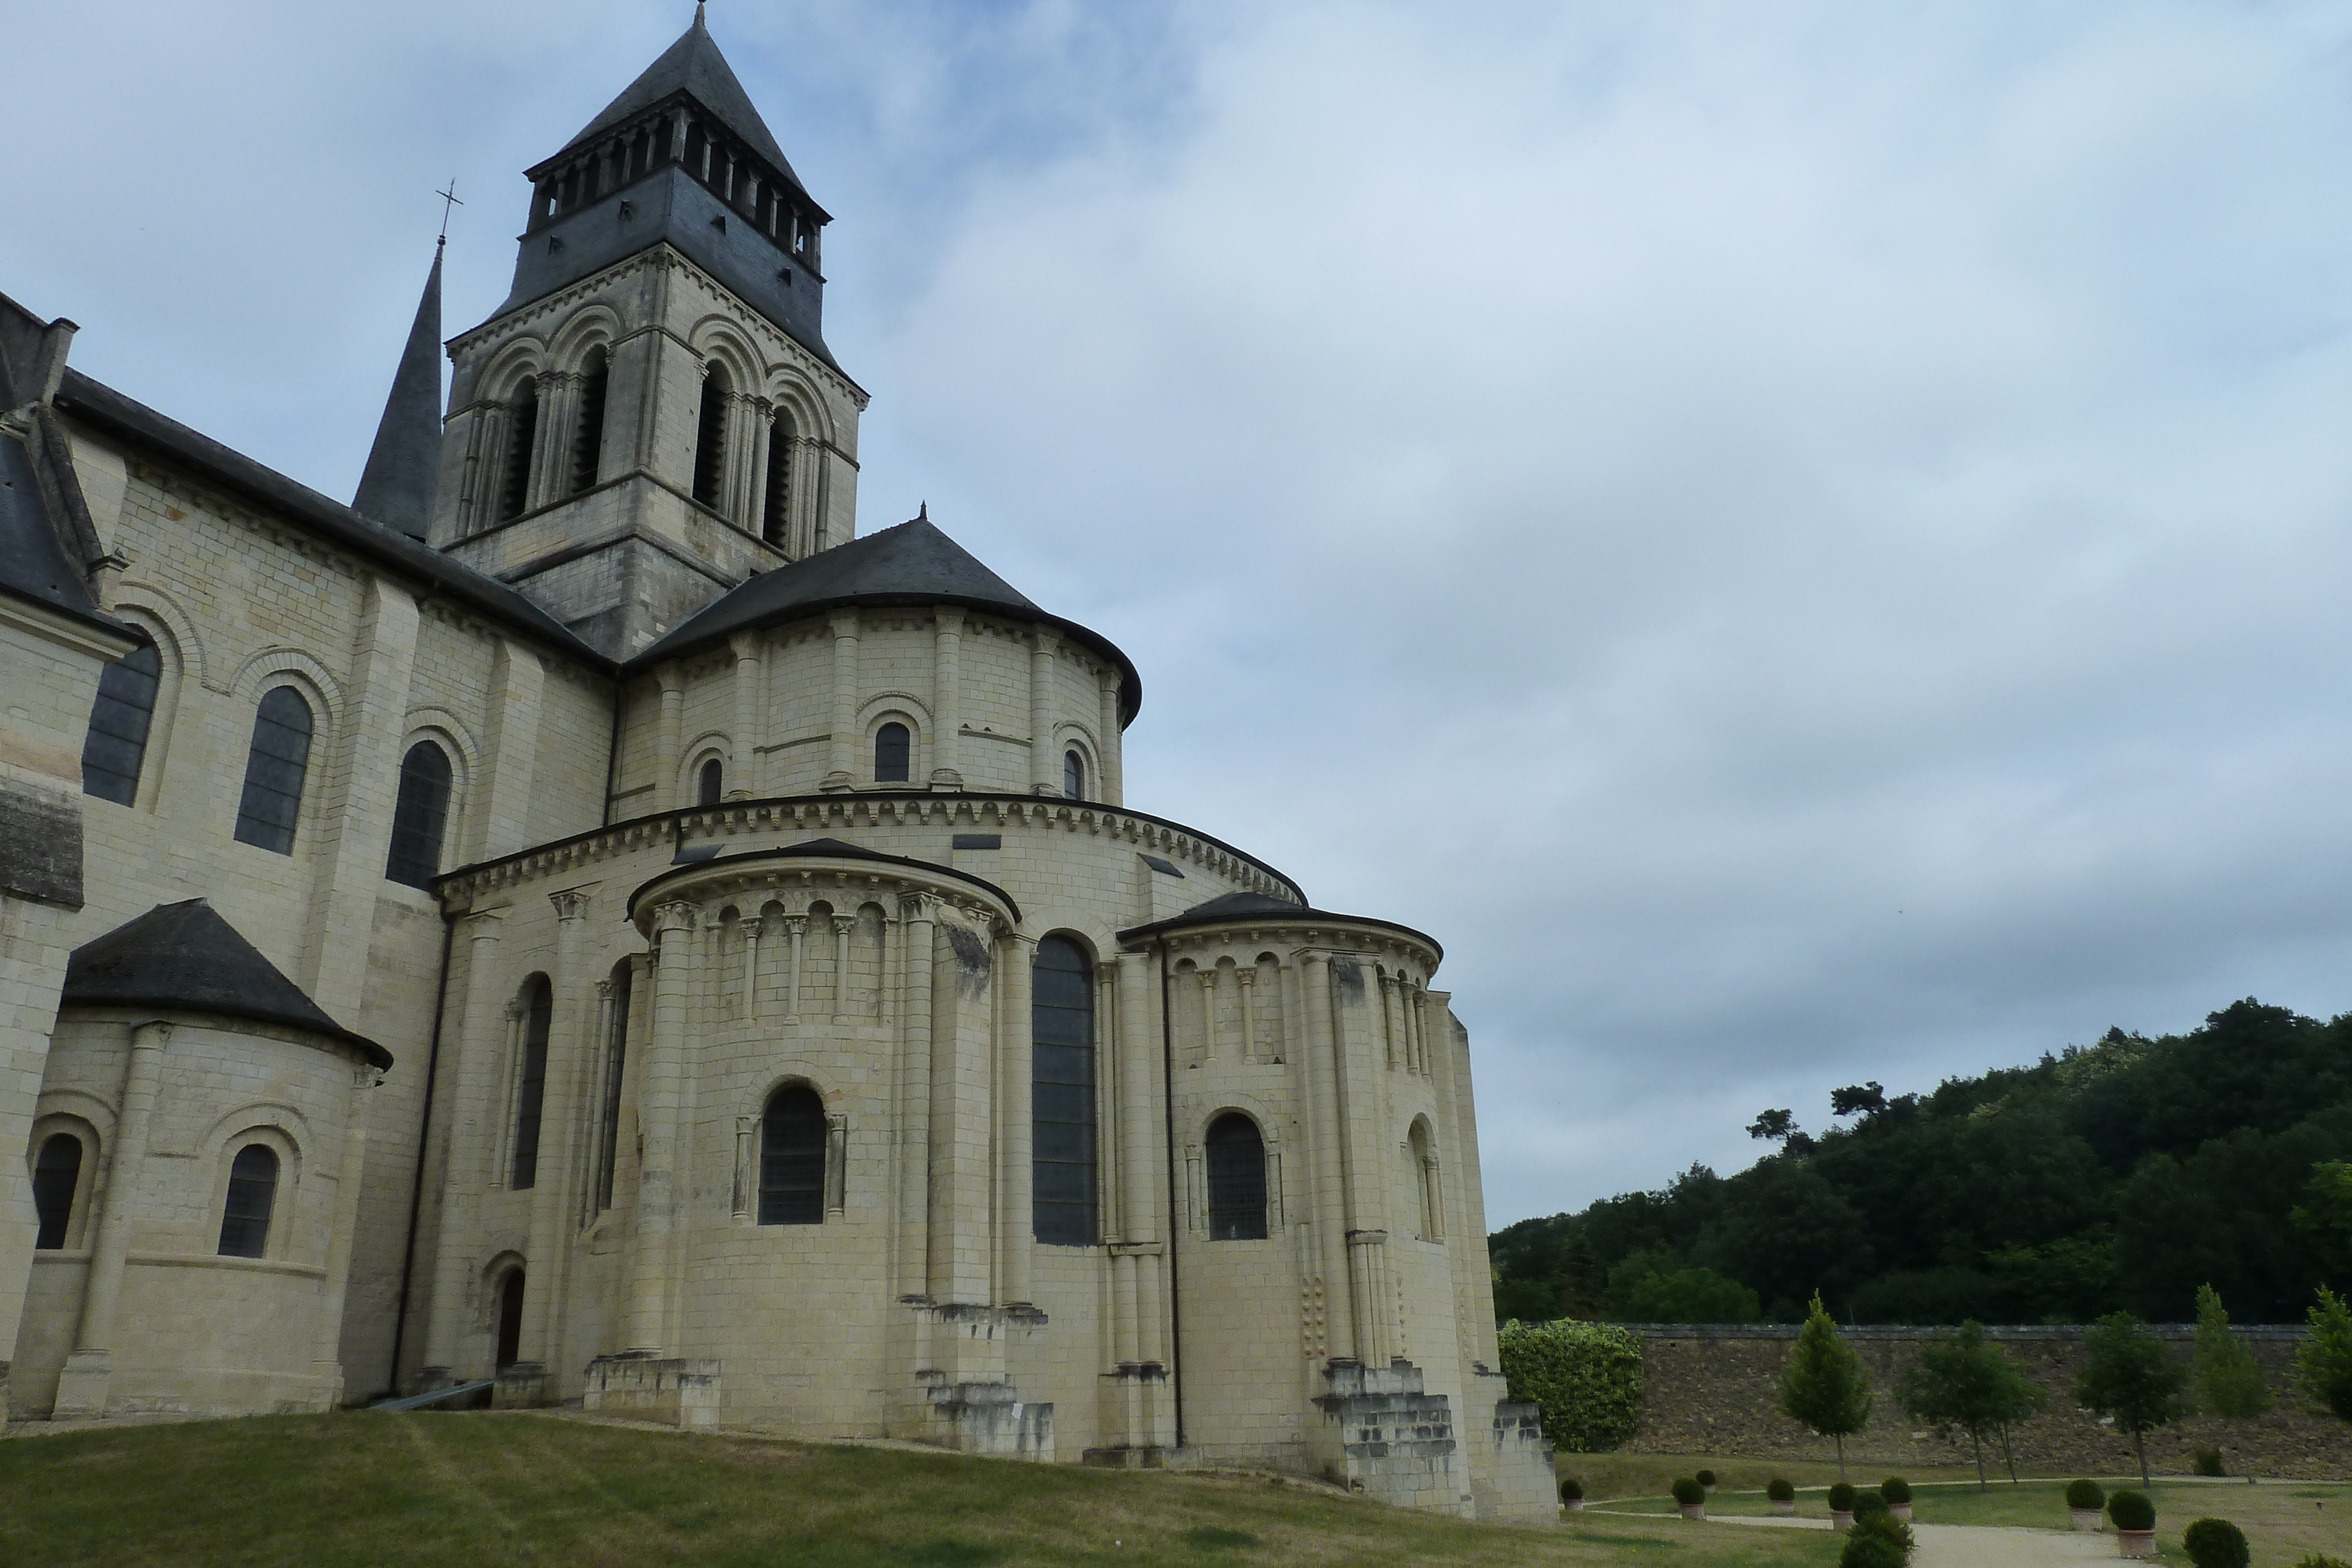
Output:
[[894, 751], [775, 510], [274, 769], [116, 744], [530, 1089], [1236, 1179], [522, 436], [57, 1175], [711, 438], [1062, 1095], [510, 1320], [252, 1193], [1430, 1201], [1074, 776], [616, 1060], [588, 437], [791, 1158], [709, 781], [419, 816]]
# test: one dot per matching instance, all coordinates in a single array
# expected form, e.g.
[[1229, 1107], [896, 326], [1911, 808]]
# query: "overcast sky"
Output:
[[1804, 543]]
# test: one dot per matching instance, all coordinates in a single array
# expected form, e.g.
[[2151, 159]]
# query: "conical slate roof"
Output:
[[914, 564], [693, 65], [396, 486], [186, 955], [1245, 908]]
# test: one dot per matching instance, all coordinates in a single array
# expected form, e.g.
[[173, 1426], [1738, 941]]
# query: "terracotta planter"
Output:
[[1784, 1509], [1901, 1510], [1692, 1509], [1709, 1488], [1841, 1519], [1571, 1504], [2085, 1518], [2136, 1542]]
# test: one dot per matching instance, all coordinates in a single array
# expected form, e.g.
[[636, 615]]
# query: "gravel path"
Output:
[[1967, 1545]]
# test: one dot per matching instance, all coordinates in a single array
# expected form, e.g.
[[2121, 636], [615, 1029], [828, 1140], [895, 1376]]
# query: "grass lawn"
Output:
[[480, 1488]]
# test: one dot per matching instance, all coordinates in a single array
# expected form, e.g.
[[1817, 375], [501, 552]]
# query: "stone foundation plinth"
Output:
[[986, 1418], [680, 1391], [1382, 1436], [520, 1386], [1511, 1476]]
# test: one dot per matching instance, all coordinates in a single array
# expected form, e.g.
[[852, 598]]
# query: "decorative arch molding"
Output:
[[711, 744], [592, 326], [790, 394], [286, 1120], [273, 666], [239, 1129], [748, 1140], [501, 379], [899, 705], [76, 1104], [95, 1150], [716, 337], [167, 619], [1196, 1168]]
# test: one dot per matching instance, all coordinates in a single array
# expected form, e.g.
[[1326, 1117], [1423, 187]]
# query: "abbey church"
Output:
[[584, 919]]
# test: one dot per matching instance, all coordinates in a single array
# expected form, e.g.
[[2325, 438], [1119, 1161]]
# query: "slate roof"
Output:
[[913, 563], [185, 956], [820, 848], [33, 559], [396, 486], [692, 66], [1244, 908]]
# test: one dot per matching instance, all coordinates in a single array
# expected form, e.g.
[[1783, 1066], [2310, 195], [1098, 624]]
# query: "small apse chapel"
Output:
[[582, 917]]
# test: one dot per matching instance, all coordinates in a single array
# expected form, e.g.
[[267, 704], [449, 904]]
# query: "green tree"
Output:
[[1823, 1385], [2325, 1358], [2128, 1376], [2227, 1373], [1690, 1296], [1963, 1381], [1586, 1378]]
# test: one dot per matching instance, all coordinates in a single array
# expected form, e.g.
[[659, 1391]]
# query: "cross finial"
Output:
[[448, 200]]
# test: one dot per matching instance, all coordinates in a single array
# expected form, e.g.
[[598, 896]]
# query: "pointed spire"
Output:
[[396, 486], [693, 65]]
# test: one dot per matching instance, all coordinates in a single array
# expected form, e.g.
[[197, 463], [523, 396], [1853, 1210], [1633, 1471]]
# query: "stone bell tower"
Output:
[[653, 416]]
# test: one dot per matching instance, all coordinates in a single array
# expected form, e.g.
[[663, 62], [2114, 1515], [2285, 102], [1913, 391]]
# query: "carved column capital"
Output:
[[482, 925], [572, 903], [677, 915], [843, 925]]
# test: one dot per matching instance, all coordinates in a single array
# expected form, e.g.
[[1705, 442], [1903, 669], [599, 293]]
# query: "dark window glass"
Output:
[[588, 440], [791, 1158], [419, 816], [710, 439], [1236, 1179], [117, 745], [775, 511], [708, 783], [531, 1092], [522, 432], [894, 751], [623, 983], [252, 1191], [56, 1172], [274, 770], [510, 1318], [1074, 776], [1062, 1095]]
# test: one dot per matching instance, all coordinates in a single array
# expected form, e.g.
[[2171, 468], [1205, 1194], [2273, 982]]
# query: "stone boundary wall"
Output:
[[1710, 1389]]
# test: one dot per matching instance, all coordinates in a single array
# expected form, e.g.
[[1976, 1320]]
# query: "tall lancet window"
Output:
[[791, 1158], [1236, 1179], [711, 438], [1074, 776], [588, 439], [775, 511], [522, 436], [275, 768], [531, 1088], [1062, 1095], [116, 748], [418, 816]]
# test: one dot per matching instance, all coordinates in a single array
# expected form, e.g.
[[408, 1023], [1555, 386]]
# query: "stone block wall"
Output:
[[1709, 1389]]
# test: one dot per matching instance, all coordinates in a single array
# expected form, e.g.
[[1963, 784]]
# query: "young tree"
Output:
[[1961, 1380], [2129, 1377], [2016, 1398], [1823, 1384], [2325, 1358], [2227, 1373]]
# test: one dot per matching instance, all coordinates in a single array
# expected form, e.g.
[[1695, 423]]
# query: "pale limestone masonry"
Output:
[[793, 886]]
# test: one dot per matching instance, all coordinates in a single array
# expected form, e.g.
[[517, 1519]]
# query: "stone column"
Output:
[[1329, 1207], [1207, 974], [914, 1161], [962, 1120], [1045, 757], [843, 750], [1246, 978], [465, 1147], [946, 697], [744, 765], [660, 1176], [1361, 1136], [504, 787], [326, 1356], [82, 1387], [671, 740], [794, 925], [843, 925], [1016, 1223], [550, 1253], [747, 927], [549, 460], [1134, 1072], [1109, 742]]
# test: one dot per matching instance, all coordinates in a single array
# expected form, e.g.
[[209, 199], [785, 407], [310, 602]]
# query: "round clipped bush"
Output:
[[1870, 1505], [1706, 1479], [2085, 1494], [2208, 1462], [1572, 1490], [1687, 1491], [1870, 1547], [2131, 1511], [1779, 1491], [2321, 1560], [1894, 1489], [1841, 1497], [2216, 1543]]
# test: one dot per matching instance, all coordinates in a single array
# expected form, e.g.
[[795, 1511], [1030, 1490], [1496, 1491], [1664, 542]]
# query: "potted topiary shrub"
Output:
[[1879, 1541], [1691, 1497], [2216, 1543], [2134, 1517], [1841, 1506], [2084, 1502], [1898, 1493], [1780, 1495], [1706, 1478], [1868, 1506], [1572, 1493]]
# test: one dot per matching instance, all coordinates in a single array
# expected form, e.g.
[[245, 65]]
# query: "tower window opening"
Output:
[[1062, 1095], [419, 815], [522, 436], [530, 1091], [791, 1158], [710, 439], [1074, 776], [252, 1194], [57, 1174], [1236, 1179], [776, 506], [710, 783], [116, 748], [894, 748], [588, 440], [275, 767]]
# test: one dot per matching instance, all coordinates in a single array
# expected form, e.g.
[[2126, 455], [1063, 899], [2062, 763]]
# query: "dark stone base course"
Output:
[[1710, 1389]]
